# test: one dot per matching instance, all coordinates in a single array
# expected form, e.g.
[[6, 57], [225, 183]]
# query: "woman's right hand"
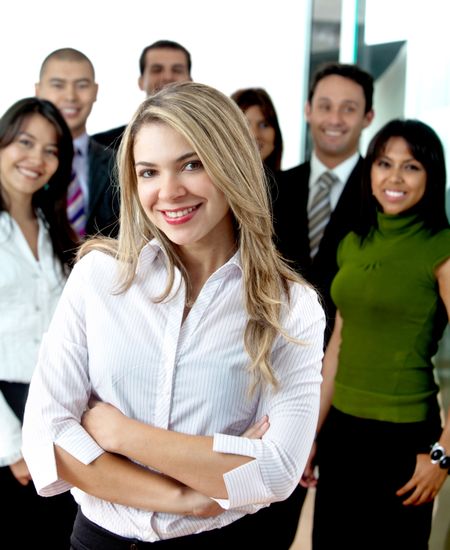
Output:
[[258, 429], [20, 472], [309, 478]]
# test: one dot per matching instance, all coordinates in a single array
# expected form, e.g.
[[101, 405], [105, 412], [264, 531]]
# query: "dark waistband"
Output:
[[87, 535]]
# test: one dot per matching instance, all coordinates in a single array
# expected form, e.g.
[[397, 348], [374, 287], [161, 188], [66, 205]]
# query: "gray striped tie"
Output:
[[320, 211]]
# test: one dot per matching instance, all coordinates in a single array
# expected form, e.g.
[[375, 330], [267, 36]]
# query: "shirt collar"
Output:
[[341, 171], [7, 223], [82, 144], [154, 248]]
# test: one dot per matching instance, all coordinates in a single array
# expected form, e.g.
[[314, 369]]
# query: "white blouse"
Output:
[[29, 292], [188, 376]]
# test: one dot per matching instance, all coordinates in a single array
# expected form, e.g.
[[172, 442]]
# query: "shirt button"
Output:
[[37, 308], [133, 546]]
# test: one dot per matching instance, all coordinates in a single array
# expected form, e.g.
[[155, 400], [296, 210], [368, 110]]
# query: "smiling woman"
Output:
[[392, 292], [262, 118], [398, 179], [36, 248], [179, 197], [207, 330]]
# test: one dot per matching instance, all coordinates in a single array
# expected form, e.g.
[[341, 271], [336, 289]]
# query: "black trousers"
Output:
[[29, 520], [272, 528], [362, 463]]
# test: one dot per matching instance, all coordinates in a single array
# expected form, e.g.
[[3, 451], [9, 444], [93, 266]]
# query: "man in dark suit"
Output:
[[339, 107], [67, 79], [160, 63]]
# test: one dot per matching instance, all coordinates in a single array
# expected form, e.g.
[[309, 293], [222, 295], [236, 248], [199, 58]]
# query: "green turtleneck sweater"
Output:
[[388, 296]]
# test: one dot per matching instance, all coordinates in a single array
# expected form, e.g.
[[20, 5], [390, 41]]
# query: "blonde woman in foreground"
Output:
[[185, 337]]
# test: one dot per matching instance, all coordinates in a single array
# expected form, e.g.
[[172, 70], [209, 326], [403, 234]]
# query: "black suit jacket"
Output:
[[103, 207], [291, 229], [111, 138]]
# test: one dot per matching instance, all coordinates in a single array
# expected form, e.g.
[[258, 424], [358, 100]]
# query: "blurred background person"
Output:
[[260, 111], [36, 249], [67, 79], [382, 453], [161, 63], [262, 118], [319, 198]]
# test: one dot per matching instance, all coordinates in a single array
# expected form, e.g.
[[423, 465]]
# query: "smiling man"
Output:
[[319, 198], [67, 79], [160, 63]]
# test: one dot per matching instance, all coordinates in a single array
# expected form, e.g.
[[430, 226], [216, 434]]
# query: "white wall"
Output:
[[427, 86], [388, 97], [234, 44]]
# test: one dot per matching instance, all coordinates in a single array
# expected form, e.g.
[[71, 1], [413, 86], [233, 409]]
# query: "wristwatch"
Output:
[[438, 455]]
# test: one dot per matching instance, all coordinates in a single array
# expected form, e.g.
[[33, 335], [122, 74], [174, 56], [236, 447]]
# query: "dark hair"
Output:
[[248, 97], [426, 147], [167, 44], [50, 199], [352, 72], [66, 54]]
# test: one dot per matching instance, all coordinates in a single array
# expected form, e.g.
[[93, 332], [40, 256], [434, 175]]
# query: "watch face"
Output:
[[437, 452]]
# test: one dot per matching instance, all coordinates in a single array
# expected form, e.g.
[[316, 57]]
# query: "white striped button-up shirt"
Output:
[[29, 292], [189, 377]]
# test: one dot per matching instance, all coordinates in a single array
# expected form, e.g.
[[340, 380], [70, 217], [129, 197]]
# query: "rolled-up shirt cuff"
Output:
[[245, 484], [77, 442], [40, 457]]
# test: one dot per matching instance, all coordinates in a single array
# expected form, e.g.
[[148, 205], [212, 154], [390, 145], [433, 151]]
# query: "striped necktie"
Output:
[[320, 211], [76, 212]]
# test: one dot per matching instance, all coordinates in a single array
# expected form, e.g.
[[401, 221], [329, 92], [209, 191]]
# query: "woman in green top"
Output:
[[379, 411]]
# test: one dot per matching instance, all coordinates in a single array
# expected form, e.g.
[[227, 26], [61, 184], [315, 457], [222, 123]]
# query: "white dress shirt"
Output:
[[188, 376], [341, 171], [29, 291], [81, 164]]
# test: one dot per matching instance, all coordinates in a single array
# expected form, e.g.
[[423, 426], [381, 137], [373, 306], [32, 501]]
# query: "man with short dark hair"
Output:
[[338, 109], [161, 63], [67, 79]]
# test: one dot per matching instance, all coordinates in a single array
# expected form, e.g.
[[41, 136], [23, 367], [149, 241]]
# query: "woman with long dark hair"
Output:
[[382, 453], [258, 107], [36, 249]]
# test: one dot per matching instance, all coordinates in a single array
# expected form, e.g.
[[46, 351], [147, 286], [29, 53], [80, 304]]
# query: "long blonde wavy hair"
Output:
[[218, 132]]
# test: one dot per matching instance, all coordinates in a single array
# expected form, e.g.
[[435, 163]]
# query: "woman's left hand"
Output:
[[425, 483], [104, 423]]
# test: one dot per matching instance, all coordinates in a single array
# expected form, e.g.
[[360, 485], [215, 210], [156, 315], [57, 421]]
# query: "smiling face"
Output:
[[336, 119], [70, 86], [261, 129], [398, 179], [30, 160], [176, 192]]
